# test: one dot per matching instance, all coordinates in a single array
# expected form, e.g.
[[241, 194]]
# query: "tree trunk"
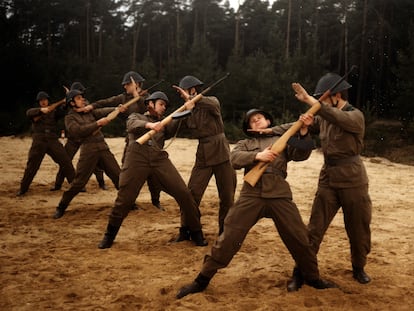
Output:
[[288, 30], [135, 37], [87, 39], [237, 34], [362, 64]]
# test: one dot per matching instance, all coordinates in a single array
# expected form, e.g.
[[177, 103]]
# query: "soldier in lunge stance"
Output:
[[343, 180], [45, 141], [149, 159], [72, 146], [93, 151], [271, 197], [132, 82]]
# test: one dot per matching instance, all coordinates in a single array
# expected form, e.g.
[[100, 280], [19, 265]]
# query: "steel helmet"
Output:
[[189, 81], [251, 112], [328, 81], [42, 95], [134, 75], [78, 86], [71, 94], [157, 95]]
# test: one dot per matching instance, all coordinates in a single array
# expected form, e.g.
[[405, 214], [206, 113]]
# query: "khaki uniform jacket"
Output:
[[206, 125], [83, 127], [341, 133], [243, 156]]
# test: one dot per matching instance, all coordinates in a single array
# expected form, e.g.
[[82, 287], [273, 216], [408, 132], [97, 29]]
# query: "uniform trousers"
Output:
[[89, 158], [246, 212], [141, 162], [356, 207], [225, 177], [71, 148], [42, 145]]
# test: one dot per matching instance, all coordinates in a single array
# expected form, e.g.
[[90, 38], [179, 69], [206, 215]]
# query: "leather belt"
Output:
[[209, 138], [341, 161]]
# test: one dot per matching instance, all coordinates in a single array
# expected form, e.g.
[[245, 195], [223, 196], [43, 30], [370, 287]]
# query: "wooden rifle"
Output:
[[253, 176], [147, 136], [111, 116]]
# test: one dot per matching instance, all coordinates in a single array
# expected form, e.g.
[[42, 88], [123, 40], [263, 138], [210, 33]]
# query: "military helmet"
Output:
[[78, 86], [189, 81], [157, 95], [134, 75], [42, 95], [71, 94], [251, 112], [329, 80]]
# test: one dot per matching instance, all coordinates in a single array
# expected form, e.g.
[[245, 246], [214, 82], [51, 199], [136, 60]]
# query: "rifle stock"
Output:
[[51, 108], [253, 176], [147, 136]]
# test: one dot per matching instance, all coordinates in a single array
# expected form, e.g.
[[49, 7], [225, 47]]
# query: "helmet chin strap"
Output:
[[332, 103]]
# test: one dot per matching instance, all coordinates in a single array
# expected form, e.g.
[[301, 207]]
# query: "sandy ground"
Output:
[[49, 264]]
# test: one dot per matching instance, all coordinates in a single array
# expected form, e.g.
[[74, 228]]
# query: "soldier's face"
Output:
[[44, 102], [157, 108], [258, 122], [79, 101], [131, 87]]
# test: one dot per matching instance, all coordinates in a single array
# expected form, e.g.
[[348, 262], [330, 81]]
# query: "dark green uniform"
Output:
[[93, 151], [45, 141], [271, 197], [343, 181], [148, 160], [213, 155]]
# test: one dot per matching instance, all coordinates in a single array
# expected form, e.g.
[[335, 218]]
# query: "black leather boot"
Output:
[[360, 275], [60, 210], [109, 237], [198, 285], [321, 284], [156, 202], [184, 235], [56, 188], [198, 238], [102, 184], [296, 281]]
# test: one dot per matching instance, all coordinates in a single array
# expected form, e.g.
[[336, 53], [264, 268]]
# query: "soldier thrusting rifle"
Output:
[[45, 141], [150, 160]]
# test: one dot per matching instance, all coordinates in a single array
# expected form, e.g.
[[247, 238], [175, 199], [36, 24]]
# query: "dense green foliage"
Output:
[[48, 44]]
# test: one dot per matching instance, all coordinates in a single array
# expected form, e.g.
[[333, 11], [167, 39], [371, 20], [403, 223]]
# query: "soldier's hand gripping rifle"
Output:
[[53, 106], [147, 136], [111, 116], [253, 176]]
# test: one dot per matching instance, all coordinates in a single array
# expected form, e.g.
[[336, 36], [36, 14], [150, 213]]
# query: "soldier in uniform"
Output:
[[72, 146], [45, 141], [271, 197], [150, 159], [132, 82], [93, 151], [213, 152], [343, 180]]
